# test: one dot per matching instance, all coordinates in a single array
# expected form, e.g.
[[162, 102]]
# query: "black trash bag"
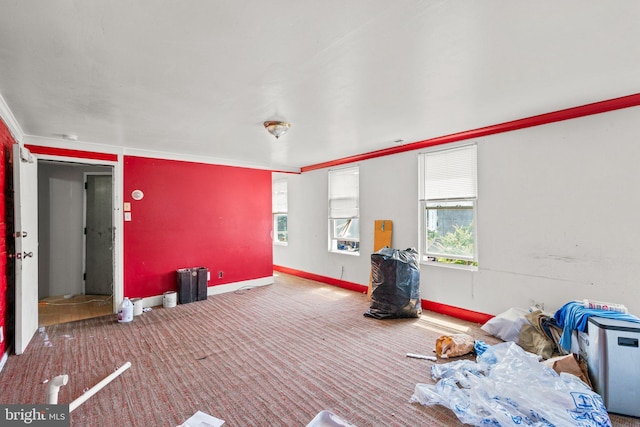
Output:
[[395, 284]]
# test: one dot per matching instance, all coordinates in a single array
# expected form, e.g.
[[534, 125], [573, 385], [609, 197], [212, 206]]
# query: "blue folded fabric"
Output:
[[573, 315]]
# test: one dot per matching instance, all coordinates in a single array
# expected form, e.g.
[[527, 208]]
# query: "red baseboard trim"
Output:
[[323, 279], [65, 152], [527, 122], [449, 310], [459, 313]]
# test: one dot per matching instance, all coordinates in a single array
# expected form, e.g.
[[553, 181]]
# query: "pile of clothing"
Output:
[[574, 316], [541, 335], [534, 331], [544, 334]]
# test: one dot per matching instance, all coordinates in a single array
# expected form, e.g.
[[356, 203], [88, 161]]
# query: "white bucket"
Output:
[[169, 299], [137, 306]]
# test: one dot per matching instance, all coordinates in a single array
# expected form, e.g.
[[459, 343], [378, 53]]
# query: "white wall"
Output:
[[558, 218]]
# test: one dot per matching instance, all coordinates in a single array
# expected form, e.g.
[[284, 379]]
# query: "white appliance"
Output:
[[613, 358]]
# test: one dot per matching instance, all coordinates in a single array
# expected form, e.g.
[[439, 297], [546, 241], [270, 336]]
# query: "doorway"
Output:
[[75, 224]]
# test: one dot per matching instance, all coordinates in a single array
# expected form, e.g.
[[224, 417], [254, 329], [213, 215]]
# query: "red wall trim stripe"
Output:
[[449, 310], [542, 119], [324, 279], [64, 152], [459, 313]]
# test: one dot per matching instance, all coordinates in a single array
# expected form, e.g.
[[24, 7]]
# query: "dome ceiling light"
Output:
[[276, 128]]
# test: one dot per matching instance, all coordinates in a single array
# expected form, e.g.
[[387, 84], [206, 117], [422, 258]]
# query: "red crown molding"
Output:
[[541, 119], [65, 152]]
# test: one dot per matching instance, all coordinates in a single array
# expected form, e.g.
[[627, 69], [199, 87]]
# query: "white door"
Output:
[[25, 183]]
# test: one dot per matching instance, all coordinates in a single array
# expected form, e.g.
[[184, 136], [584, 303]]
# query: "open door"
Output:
[[25, 181], [98, 234]]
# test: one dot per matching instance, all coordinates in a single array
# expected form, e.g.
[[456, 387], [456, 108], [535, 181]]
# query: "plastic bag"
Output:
[[507, 325], [510, 387], [454, 345], [395, 284]]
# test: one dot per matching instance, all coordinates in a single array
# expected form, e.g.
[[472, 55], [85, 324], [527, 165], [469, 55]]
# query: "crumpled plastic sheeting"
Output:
[[510, 387]]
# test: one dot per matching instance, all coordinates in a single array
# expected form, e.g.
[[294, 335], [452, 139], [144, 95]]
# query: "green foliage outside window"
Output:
[[283, 234], [458, 242]]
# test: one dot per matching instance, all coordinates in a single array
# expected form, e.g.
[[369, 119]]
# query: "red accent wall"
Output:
[[194, 215], [6, 142]]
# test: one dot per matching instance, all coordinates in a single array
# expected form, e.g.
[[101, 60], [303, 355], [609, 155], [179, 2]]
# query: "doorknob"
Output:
[[20, 255], [19, 234]]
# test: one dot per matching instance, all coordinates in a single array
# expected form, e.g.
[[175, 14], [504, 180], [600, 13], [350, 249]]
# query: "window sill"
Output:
[[451, 266], [281, 243], [345, 253]]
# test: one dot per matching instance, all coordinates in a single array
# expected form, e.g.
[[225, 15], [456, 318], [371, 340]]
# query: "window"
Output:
[[279, 207], [344, 212], [448, 197]]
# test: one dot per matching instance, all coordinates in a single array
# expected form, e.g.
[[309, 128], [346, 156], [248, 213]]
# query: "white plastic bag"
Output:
[[507, 325], [509, 387]]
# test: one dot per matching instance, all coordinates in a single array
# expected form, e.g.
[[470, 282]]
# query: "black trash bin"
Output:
[[192, 284]]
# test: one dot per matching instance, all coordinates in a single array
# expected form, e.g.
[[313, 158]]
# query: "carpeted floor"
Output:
[[268, 356]]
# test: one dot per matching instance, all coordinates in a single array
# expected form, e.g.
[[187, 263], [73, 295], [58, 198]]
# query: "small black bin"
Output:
[[192, 284]]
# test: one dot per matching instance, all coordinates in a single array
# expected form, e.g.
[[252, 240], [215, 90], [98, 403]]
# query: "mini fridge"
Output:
[[613, 360]]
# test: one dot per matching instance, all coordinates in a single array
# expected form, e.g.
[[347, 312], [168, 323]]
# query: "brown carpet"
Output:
[[269, 356]]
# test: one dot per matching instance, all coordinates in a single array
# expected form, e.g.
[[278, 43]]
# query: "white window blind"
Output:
[[279, 196], [343, 193], [450, 174]]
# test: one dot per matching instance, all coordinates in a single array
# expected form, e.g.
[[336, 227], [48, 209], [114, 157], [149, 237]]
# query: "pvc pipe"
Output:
[[54, 388], [96, 388]]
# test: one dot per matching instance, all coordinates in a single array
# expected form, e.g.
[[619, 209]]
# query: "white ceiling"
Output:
[[198, 78]]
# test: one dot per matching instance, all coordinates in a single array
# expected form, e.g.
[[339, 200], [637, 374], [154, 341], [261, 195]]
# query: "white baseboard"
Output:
[[155, 301], [245, 284]]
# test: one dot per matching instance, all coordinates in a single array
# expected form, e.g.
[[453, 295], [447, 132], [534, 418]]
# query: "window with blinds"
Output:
[[344, 210], [279, 206], [448, 196]]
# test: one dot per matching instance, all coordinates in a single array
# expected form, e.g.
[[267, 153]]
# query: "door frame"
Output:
[[118, 252], [84, 224]]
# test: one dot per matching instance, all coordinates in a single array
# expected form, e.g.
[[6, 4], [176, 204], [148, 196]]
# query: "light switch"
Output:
[[127, 216], [127, 206]]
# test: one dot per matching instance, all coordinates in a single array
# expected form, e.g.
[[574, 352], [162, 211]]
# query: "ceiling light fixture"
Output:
[[276, 128]]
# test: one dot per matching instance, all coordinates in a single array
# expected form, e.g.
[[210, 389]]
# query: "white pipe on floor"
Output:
[[54, 388], [96, 388]]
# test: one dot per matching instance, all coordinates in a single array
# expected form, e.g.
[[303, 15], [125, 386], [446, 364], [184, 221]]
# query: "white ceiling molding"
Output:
[[10, 120]]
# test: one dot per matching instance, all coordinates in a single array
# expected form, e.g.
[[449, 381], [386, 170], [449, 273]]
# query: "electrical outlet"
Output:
[[1, 334]]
